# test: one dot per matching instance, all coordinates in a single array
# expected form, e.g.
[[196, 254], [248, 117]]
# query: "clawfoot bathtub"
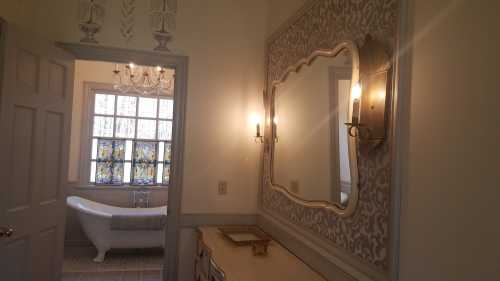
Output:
[[95, 219]]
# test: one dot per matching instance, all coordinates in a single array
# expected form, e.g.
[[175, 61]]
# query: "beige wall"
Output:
[[224, 40], [450, 228], [280, 11]]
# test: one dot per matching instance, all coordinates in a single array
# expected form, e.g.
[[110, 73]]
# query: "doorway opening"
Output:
[[128, 144], [120, 159]]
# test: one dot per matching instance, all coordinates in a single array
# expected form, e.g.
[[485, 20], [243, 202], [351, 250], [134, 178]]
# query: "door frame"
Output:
[[335, 74], [400, 134], [180, 64]]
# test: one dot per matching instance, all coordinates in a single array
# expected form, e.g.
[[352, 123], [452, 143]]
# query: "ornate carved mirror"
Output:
[[314, 159]]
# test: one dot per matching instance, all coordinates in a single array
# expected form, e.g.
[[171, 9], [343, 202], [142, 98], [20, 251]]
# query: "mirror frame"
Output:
[[353, 142]]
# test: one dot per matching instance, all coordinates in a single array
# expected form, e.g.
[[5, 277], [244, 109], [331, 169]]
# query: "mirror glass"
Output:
[[314, 157]]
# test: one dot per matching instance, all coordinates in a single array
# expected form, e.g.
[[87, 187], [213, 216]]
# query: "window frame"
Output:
[[86, 135]]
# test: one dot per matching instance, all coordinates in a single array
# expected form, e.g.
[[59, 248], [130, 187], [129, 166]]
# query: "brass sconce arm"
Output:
[[357, 130]]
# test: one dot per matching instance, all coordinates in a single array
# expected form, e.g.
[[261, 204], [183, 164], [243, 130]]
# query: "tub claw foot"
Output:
[[100, 256]]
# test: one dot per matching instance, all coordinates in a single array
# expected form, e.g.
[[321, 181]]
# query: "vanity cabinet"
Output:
[[218, 259]]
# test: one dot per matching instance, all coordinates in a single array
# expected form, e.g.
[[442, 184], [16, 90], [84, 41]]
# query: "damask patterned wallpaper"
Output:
[[365, 234]]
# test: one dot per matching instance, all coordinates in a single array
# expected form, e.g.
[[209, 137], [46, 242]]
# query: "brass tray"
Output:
[[245, 235]]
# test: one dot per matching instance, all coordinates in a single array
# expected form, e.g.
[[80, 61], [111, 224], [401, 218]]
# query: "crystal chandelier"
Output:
[[143, 80]]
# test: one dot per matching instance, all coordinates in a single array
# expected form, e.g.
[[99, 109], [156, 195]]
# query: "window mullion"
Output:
[[114, 115], [157, 117], [157, 156], [136, 117]]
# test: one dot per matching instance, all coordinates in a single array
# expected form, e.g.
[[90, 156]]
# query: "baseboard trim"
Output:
[[325, 259]]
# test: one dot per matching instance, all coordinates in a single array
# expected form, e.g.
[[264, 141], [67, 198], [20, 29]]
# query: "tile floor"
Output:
[[133, 265]]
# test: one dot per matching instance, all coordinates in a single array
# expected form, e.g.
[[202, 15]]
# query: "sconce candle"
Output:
[[356, 94], [354, 126], [355, 111], [255, 119]]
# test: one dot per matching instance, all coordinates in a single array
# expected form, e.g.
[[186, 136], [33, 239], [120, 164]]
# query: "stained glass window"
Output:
[[166, 163], [131, 138], [166, 174], [109, 161], [144, 163]]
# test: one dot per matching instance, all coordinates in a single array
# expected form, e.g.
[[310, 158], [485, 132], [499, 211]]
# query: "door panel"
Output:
[[35, 115], [45, 254], [57, 78], [21, 155], [18, 251], [54, 134], [28, 65]]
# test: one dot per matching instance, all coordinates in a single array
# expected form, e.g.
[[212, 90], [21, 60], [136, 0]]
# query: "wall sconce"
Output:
[[255, 120], [369, 97]]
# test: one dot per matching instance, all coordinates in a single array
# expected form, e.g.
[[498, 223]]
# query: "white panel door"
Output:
[[35, 114]]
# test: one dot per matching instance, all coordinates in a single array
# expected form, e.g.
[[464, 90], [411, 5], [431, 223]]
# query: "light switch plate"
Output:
[[222, 188]]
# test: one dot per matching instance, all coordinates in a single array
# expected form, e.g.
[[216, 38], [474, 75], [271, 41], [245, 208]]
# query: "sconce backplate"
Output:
[[375, 71]]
